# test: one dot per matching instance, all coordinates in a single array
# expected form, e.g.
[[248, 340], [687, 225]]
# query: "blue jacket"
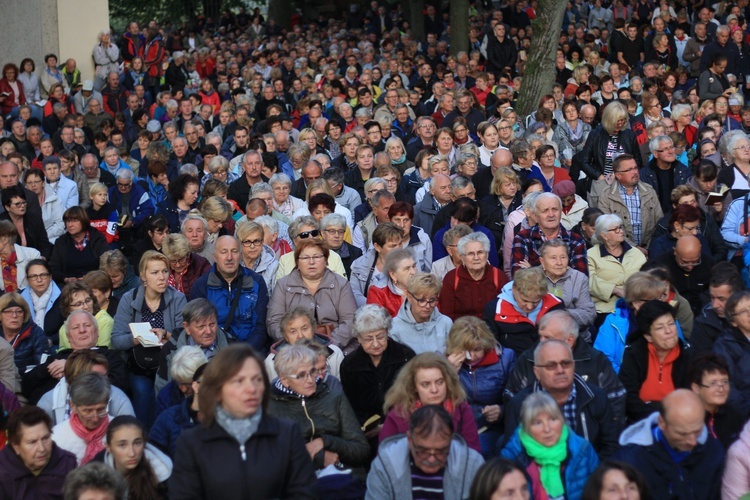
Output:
[[169, 425], [249, 321], [581, 462], [157, 192], [484, 385], [439, 251], [29, 346], [140, 204], [168, 207]]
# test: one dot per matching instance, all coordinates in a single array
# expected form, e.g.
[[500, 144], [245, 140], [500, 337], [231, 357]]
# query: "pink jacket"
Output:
[[463, 424], [736, 480]]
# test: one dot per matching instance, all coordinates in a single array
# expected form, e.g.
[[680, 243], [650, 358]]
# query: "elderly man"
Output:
[[674, 451], [200, 328], [689, 274], [526, 244], [345, 196], [438, 197], [635, 202], [239, 294], [483, 178], [465, 109], [362, 235], [131, 200], [586, 407], [461, 187], [83, 333], [95, 115], [591, 365], [721, 45], [239, 190], [310, 172], [429, 460], [94, 174], [664, 172], [425, 136], [9, 177], [114, 96]]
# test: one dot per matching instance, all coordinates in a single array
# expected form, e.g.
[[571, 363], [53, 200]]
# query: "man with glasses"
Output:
[[586, 407], [664, 172], [428, 459], [425, 136], [635, 202], [131, 200], [689, 270]]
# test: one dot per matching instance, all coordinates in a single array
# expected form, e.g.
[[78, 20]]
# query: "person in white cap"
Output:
[[83, 97]]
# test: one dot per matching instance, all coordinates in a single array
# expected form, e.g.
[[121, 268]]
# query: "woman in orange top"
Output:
[[656, 361]]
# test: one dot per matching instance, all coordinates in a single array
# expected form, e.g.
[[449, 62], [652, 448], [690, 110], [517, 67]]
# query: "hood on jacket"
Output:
[[405, 315], [160, 463], [506, 295], [641, 433], [395, 456]]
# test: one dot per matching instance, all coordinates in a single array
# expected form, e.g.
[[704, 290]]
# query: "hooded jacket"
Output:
[[484, 383], [706, 329], [18, 482], [429, 336], [361, 279], [734, 347], [696, 477], [390, 474], [29, 345]]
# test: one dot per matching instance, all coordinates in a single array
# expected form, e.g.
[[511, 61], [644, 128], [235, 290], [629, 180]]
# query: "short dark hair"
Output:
[[76, 213], [618, 161], [401, 208], [706, 362], [26, 416], [650, 312], [178, 187], [11, 192], [324, 199], [465, 210], [725, 273], [430, 420], [595, 483]]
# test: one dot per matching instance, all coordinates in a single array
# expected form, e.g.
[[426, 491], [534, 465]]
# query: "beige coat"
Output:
[[610, 202], [605, 273]]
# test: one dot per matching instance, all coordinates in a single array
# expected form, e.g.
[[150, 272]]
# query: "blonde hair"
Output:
[[150, 256], [614, 112], [318, 185], [97, 188], [468, 332], [176, 246], [503, 174], [216, 208]]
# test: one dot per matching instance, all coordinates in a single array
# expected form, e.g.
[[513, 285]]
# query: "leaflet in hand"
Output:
[[143, 334]]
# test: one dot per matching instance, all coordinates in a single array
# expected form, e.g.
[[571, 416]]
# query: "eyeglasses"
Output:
[[252, 243], [669, 148], [335, 232], [306, 234], [425, 453], [93, 412], [123, 185], [617, 229], [743, 312], [626, 171], [311, 258], [471, 255], [13, 312], [371, 340], [19, 204], [550, 156], [39, 276], [87, 302], [716, 384], [304, 375], [552, 365], [179, 262], [425, 302], [746, 147], [504, 128]]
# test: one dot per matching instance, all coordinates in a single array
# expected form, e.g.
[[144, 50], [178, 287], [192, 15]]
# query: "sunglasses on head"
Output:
[[306, 234]]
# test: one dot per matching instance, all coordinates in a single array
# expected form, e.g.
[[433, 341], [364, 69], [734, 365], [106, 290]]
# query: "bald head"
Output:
[[681, 419], [501, 158], [687, 252]]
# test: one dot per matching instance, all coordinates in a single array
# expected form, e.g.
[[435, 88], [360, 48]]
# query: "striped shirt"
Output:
[[426, 486]]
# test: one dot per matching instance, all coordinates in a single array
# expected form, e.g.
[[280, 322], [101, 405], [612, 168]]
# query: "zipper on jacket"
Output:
[[312, 424], [242, 452], [661, 366], [585, 427]]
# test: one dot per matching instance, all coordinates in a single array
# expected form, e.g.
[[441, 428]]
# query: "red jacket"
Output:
[[462, 296], [386, 298], [153, 57], [513, 329], [7, 105], [213, 99]]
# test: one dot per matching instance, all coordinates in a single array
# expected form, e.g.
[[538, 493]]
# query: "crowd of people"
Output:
[[334, 261]]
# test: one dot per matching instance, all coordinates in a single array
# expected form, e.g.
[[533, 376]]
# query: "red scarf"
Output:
[[93, 438], [10, 273], [447, 404]]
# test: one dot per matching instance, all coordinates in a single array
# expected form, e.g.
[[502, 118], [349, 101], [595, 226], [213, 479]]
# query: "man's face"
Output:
[[700, 30], [665, 153], [186, 107], [35, 135], [241, 138], [202, 331], [627, 173], [555, 368], [430, 454], [252, 166], [227, 256], [464, 104], [8, 175], [19, 129], [89, 167], [180, 147], [719, 296], [82, 334], [440, 188], [722, 37], [310, 173], [113, 80], [381, 212], [632, 32], [548, 213], [687, 258], [682, 431]]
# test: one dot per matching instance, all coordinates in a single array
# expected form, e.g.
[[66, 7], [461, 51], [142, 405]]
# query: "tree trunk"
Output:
[[416, 19], [539, 75], [459, 26]]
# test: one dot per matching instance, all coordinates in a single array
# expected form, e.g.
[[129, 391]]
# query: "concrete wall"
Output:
[[68, 28]]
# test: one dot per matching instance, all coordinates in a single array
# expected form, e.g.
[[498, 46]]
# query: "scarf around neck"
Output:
[[40, 306], [241, 429], [94, 439], [549, 459]]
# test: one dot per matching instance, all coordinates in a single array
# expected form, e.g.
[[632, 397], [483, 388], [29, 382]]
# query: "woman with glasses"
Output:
[[43, 298], [78, 296], [684, 220], [30, 230], [656, 361], [256, 255], [78, 250], [732, 345], [300, 229], [461, 134], [313, 285], [333, 228], [546, 171], [428, 379], [419, 324], [736, 174], [505, 132], [185, 267], [27, 339]]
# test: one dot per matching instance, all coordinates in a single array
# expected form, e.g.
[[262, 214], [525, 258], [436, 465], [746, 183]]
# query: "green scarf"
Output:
[[548, 459]]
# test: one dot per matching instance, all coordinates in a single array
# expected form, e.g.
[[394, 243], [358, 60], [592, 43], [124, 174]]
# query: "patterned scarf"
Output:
[[10, 273], [93, 438], [82, 245]]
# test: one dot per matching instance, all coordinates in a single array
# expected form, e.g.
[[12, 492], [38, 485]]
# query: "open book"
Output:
[[143, 334]]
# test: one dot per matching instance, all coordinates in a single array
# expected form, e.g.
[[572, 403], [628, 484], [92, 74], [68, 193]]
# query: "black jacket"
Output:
[[734, 347], [36, 235], [706, 329], [591, 159], [595, 420], [210, 465], [591, 365], [62, 267], [500, 55], [692, 285], [365, 384], [634, 370], [348, 253], [709, 229], [491, 216]]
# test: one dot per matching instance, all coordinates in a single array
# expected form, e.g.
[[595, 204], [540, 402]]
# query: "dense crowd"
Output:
[[334, 261]]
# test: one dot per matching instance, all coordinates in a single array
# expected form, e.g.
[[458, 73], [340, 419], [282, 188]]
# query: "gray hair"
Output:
[[216, 163], [370, 183], [382, 194], [535, 404], [179, 138], [292, 356], [395, 258], [294, 313], [546, 196], [332, 220], [95, 476], [729, 141], [261, 187], [553, 243], [125, 174], [563, 320], [370, 318], [529, 203], [681, 109], [437, 159], [90, 389], [280, 178], [305, 220], [452, 235], [198, 309], [474, 237], [187, 359], [460, 182], [250, 153], [78, 312], [189, 168], [604, 223], [653, 145], [550, 342], [268, 222], [194, 215], [171, 104]]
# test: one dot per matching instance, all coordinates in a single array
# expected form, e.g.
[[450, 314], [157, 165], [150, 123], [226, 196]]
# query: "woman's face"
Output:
[[546, 430], [508, 189], [440, 167], [17, 207], [395, 151], [405, 270], [555, 262], [350, 148], [468, 168], [636, 85], [281, 192], [707, 149], [242, 395], [690, 228], [505, 131], [157, 237], [311, 263], [319, 212], [571, 113], [513, 486], [58, 93], [252, 246], [52, 63], [156, 275], [663, 333], [706, 186], [491, 138], [374, 343], [445, 142], [461, 133], [28, 67], [547, 160], [190, 195], [81, 300], [304, 380], [35, 184], [101, 296], [7, 148], [126, 446], [431, 386], [39, 279], [111, 157], [617, 486], [475, 257], [213, 225]]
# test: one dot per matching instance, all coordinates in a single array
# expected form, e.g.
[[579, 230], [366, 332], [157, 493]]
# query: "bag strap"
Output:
[[744, 219], [235, 302], [369, 276]]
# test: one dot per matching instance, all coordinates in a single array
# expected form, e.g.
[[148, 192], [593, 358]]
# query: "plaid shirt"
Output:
[[527, 242], [85, 241], [633, 204], [569, 408]]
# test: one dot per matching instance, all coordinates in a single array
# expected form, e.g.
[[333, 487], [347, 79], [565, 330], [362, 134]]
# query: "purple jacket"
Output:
[[17, 482]]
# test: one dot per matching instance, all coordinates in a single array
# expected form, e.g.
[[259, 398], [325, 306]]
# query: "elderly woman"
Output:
[[654, 349], [732, 345], [255, 254], [572, 133], [283, 201], [516, 311], [28, 341], [32, 472], [185, 267], [328, 423], [218, 168], [43, 298], [101, 286], [369, 372], [299, 324], [428, 379], [77, 296], [568, 284], [419, 324], [333, 227], [400, 266], [236, 371], [158, 304], [313, 285], [52, 207], [83, 434], [195, 228], [505, 197], [14, 258], [441, 267], [78, 250], [483, 369], [467, 165], [31, 233], [397, 153], [611, 262], [321, 186], [183, 197], [304, 228], [468, 287], [557, 460]]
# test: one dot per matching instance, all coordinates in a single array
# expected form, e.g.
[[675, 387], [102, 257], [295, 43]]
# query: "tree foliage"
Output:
[[177, 11]]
